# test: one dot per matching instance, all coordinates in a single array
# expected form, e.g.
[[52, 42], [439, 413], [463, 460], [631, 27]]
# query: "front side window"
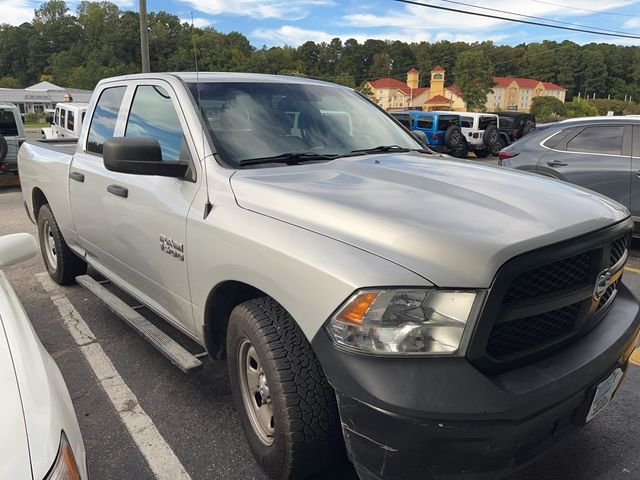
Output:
[[70, 120], [153, 115], [103, 122], [598, 139], [250, 121]]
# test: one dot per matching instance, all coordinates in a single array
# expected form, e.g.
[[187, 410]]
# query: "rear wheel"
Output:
[[528, 128], [453, 137], [62, 264], [286, 406], [4, 148], [483, 153], [461, 151], [497, 147]]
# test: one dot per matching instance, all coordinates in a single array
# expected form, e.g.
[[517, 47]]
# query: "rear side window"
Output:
[[152, 115], [466, 122], [598, 139], [425, 122], [404, 119], [485, 122], [507, 122], [70, 120], [8, 126], [445, 121], [103, 123]]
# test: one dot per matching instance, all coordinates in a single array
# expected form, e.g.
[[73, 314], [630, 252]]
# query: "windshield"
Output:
[[8, 126], [258, 120]]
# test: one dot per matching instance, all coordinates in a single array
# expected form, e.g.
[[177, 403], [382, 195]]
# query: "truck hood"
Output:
[[453, 222]]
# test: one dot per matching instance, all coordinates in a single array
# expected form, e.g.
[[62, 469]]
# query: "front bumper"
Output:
[[409, 418]]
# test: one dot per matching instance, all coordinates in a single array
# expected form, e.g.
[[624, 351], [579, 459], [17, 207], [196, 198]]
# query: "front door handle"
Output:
[[118, 190], [557, 163], [77, 176]]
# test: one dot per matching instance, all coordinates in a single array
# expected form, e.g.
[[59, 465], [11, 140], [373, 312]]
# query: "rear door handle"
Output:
[[118, 190], [77, 176], [557, 163]]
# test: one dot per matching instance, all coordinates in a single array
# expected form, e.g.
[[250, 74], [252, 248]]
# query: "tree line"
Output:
[[102, 40]]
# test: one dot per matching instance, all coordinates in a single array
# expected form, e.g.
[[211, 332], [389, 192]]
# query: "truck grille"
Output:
[[545, 299]]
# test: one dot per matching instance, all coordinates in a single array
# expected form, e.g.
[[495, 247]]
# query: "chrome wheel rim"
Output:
[[255, 392], [50, 245]]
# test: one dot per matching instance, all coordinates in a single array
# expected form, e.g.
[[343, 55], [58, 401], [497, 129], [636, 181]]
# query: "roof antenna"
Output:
[[207, 205]]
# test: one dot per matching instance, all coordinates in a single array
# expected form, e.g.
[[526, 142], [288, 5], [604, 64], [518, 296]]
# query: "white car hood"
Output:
[[14, 445], [453, 222], [46, 404]]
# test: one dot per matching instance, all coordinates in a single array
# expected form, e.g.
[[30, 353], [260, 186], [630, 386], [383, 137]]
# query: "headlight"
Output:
[[404, 321], [65, 467]]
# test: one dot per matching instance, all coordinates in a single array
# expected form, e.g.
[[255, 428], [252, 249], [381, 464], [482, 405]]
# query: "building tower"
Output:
[[437, 82], [413, 78]]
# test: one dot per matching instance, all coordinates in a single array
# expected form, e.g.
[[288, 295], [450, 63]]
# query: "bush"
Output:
[[34, 118], [547, 109], [580, 108], [618, 107]]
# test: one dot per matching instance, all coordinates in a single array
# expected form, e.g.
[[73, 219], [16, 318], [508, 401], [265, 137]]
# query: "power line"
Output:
[[571, 7], [536, 18], [528, 22]]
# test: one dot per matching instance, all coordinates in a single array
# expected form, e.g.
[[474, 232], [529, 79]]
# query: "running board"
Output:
[[171, 349]]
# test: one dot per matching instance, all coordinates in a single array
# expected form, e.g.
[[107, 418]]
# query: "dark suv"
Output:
[[599, 153], [515, 125]]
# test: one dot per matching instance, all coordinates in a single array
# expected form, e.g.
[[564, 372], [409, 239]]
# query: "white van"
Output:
[[67, 121], [12, 135]]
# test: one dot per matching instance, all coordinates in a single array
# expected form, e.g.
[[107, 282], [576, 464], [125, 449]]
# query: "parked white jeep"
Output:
[[481, 133]]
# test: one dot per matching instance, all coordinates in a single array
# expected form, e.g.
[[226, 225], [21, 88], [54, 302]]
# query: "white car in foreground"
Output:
[[39, 434]]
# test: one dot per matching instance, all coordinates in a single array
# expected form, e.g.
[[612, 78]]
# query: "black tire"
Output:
[[4, 148], [306, 432], [484, 153], [453, 137], [491, 136], [528, 128], [62, 264], [497, 147], [461, 151]]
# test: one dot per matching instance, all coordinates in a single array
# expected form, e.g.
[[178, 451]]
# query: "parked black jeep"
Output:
[[515, 125]]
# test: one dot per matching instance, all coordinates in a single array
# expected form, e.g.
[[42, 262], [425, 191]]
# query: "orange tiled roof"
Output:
[[438, 99]]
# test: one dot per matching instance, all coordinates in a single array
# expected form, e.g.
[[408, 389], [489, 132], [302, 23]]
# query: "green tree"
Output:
[[473, 73], [9, 82], [546, 107]]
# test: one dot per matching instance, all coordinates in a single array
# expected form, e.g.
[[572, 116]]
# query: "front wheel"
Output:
[[62, 264], [286, 406]]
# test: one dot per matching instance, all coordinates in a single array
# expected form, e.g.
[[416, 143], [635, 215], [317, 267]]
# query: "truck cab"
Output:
[[442, 130]]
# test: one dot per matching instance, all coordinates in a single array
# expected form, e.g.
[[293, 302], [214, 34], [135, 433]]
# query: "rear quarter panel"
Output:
[[48, 170]]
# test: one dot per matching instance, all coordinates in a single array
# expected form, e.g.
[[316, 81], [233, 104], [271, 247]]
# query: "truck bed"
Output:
[[61, 145]]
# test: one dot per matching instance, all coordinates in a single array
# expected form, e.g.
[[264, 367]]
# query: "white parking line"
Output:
[[161, 459]]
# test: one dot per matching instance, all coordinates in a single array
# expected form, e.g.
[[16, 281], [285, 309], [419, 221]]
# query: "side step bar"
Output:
[[178, 355]]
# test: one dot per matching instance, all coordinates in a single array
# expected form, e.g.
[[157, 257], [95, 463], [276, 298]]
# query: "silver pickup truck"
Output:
[[418, 315]]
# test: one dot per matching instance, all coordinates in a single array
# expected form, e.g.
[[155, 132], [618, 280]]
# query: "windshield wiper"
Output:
[[291, 158], [384, 149]]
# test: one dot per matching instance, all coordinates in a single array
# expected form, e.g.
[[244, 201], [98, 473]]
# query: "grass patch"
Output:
[[36, 125]]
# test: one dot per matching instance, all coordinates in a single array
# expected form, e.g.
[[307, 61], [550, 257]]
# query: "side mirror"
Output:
[[139, 156], [420, 136], [17, 248]]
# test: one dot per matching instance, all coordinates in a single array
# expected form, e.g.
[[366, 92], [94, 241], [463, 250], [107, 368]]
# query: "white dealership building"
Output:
[[41, 96]]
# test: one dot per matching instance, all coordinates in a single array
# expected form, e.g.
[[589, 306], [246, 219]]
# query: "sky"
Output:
[[293, 22]]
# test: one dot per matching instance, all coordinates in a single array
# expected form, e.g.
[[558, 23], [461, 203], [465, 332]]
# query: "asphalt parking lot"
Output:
[[195, 416]]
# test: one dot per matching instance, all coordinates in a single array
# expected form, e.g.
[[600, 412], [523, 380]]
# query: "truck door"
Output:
[[138, 225], [597, 157]]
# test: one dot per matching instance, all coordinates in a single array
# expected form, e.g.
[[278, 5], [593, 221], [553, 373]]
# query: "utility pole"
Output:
[[144, 37]]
